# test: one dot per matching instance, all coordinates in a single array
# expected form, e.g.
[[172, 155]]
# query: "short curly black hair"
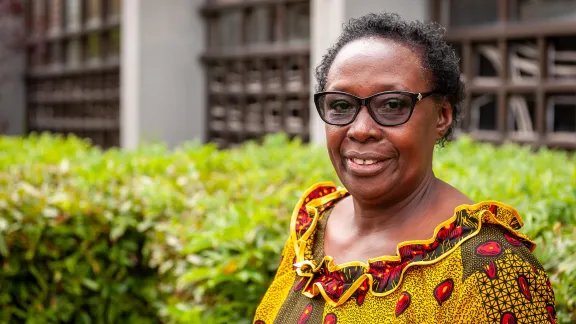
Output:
[[427, 37]]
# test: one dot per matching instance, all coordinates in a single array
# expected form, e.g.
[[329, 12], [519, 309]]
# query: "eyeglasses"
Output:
[[389, 108]]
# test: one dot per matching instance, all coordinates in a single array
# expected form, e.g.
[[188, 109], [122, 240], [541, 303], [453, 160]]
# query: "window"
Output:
[[73, 68], [518, 59], [257, 65]]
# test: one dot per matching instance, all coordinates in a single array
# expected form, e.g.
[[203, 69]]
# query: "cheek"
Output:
[[420, 130], [412, 140], [334, 136]]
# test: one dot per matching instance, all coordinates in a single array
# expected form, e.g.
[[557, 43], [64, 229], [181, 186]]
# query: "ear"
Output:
[[444, 117]]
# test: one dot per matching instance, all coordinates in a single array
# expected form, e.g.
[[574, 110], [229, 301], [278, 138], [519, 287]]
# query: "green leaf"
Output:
[[40, 280], [90, 284], [117, 232], [3, 247]]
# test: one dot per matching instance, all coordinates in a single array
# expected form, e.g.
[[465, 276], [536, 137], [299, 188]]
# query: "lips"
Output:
[[365, 164], [365, 170], [355, 155]]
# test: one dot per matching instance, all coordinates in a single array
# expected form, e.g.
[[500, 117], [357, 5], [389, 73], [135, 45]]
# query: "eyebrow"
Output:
[[381, 87]]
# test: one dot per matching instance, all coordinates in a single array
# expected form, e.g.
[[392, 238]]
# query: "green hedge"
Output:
[[194, 234]]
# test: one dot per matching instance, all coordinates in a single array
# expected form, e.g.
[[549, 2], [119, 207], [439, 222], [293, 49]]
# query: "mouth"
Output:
[[364, 161], [365, 167]]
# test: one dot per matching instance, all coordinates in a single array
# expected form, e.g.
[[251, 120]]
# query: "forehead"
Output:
[[369, 65]]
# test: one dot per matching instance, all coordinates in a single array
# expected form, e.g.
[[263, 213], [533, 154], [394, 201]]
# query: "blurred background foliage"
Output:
[[194, 234]]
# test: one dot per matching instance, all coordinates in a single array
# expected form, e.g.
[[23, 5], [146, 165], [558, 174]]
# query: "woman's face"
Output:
[[402, 154]]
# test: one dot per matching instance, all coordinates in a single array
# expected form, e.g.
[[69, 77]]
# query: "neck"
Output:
[[395, 216]]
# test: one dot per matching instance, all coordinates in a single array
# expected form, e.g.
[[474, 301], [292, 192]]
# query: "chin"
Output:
[[368, 188]]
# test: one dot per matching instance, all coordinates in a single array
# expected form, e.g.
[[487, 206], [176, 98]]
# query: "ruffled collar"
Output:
[[380, 276]]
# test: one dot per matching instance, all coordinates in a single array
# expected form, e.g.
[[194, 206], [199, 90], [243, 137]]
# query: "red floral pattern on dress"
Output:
[[330, 319], [361, 292], [415, 252], [551, 313], [512, 240], [300, 283], [508, 318], [334, 286], [443, 291], [386, 274], [449, 232], [303, 221], [524, 288], [305, 314], [493, 209], [490, 270], [489, 249], [403, 302]]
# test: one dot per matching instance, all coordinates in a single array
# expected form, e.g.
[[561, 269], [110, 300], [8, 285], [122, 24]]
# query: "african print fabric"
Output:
[[477, 268]]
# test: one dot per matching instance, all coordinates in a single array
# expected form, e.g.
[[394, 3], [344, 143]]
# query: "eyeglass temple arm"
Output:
[[423, 95]]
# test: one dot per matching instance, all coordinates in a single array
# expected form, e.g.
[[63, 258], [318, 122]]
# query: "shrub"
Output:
[[194, 234]]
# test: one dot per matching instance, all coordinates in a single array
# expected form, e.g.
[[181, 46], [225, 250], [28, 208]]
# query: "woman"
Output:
[[399, 245]]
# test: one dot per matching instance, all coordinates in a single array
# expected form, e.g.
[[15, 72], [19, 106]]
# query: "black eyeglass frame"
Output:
[[416, 97]]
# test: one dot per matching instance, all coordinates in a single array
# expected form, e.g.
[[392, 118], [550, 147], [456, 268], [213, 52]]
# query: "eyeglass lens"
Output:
[[388, 108]]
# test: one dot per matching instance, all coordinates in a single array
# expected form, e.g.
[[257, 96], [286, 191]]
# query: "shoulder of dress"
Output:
[[505, 214], [496, 251], [311, 205], [317, 191], [502, 216], [314, 200], [498, 267]]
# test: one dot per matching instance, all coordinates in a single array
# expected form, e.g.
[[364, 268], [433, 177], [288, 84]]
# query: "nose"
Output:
[[364, 128]]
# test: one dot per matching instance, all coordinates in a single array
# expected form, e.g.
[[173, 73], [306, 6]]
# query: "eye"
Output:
[[394, 104], [340, 105]]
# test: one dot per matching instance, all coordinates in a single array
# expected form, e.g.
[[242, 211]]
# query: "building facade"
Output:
[[225, 71]]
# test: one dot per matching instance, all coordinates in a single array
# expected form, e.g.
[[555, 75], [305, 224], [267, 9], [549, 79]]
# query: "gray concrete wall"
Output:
[[328, 16], [12, 68], [408, 9], [162, 77]]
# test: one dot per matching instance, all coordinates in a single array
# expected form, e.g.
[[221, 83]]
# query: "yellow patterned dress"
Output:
[[476, 269]]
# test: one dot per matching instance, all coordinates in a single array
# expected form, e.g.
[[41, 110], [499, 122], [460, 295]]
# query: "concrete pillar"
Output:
[[162, 80], [328, 16], [12, 69]]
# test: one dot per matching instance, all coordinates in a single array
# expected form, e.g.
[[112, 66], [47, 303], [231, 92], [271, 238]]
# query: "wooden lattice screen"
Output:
[[519, 65], [73, 68], [257, 69]]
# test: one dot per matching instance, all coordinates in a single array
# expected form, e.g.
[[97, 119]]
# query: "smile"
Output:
[[364, 162], [365, 167]]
